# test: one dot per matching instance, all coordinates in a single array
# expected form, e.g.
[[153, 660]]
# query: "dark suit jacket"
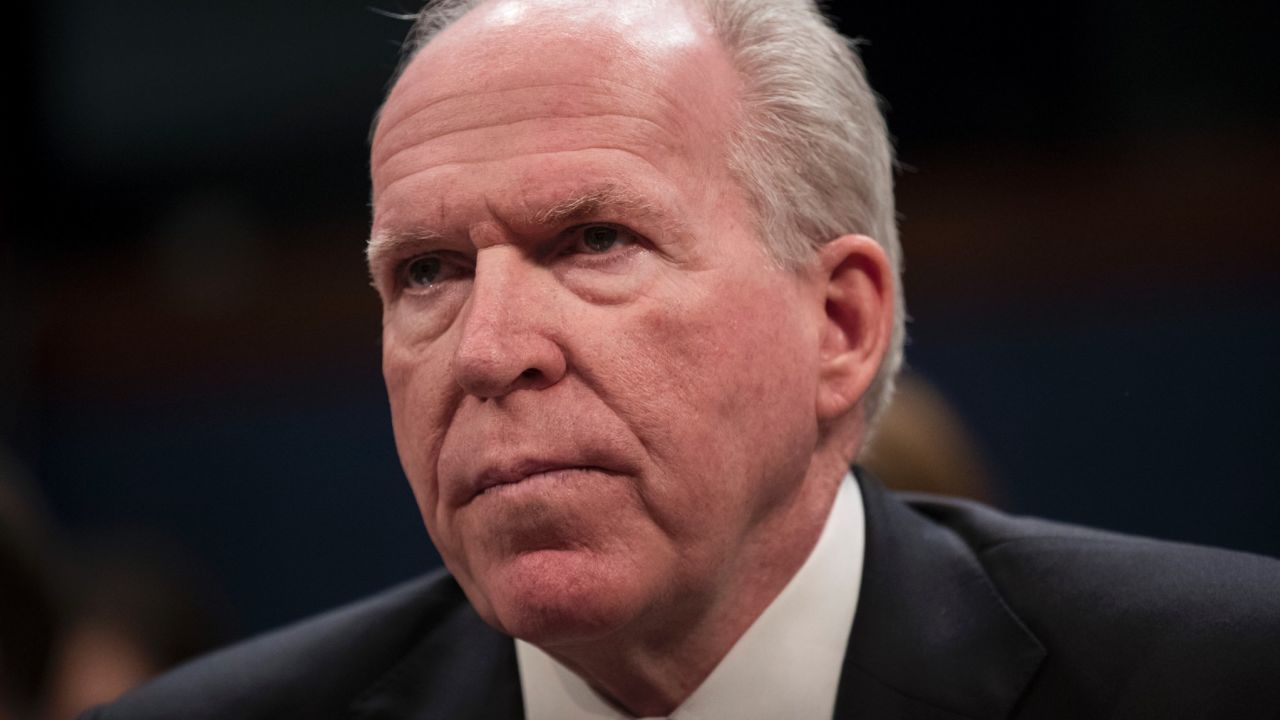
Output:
[[963, 613]]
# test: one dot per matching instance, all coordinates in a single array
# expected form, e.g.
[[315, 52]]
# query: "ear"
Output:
[[858, 321]]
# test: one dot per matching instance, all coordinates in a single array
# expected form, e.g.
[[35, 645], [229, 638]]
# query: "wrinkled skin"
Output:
[[613, 408]]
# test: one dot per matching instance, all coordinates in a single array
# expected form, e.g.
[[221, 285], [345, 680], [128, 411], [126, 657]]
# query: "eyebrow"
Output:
[[384, 246], [388, 242], [593, 203]]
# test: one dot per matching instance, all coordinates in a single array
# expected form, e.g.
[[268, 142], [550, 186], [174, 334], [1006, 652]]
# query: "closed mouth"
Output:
[[496, 478]]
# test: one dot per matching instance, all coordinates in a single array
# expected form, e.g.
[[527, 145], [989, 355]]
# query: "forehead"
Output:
[[528, 43], [516, 81]]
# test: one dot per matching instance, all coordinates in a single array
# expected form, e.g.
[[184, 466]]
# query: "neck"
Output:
[[651, 670]]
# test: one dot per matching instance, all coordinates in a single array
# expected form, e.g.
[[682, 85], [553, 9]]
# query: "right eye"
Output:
[[427, 271]]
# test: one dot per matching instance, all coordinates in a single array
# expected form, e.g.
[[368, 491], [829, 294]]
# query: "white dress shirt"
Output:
[[786, 665]]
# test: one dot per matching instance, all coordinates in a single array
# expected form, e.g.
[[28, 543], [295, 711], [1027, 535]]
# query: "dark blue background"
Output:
[[191, 347]]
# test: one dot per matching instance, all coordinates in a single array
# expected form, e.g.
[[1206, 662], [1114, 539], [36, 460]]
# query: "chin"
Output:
[[558, 597]]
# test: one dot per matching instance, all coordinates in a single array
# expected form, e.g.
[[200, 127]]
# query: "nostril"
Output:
[[530, 373]]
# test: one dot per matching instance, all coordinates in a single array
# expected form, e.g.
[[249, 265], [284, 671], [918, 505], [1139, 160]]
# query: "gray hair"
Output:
[[811, 150]]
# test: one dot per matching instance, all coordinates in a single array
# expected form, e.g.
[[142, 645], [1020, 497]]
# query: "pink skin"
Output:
[[621, 452]]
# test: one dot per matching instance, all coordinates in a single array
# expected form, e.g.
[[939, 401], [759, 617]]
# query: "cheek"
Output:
[[421, 403], [416, 319], [724, 383], [733, 346]]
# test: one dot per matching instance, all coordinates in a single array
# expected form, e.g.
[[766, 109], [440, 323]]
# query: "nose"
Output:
[[506, 344]]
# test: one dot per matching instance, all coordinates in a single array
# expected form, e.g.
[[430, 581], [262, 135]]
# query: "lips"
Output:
[[520, 470], [477, 456]]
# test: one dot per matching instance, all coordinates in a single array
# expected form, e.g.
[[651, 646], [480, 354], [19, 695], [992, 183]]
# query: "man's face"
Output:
[[602, 389]]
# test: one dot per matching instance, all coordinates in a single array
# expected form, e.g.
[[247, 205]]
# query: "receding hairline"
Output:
[[446, 14], [811, 152]]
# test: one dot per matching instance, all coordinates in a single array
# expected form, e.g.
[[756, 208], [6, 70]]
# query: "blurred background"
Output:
[[194, 438]]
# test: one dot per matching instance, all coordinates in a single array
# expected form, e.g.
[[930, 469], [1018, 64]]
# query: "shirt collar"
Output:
[[787, 664]]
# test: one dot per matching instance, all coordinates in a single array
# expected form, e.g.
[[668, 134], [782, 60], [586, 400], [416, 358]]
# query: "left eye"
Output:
[[600, 239]]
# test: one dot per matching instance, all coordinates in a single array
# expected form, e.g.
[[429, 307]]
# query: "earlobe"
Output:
[[858, 321]]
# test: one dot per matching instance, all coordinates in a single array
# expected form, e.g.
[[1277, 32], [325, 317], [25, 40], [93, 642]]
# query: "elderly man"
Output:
[[641, 306]]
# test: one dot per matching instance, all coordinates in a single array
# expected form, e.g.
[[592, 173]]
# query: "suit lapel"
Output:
[[931, 638], [461, 670]]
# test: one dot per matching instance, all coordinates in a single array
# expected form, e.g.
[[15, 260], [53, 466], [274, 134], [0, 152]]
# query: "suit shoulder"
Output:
[[1139, 621], [1023, 552], [311, 668]]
